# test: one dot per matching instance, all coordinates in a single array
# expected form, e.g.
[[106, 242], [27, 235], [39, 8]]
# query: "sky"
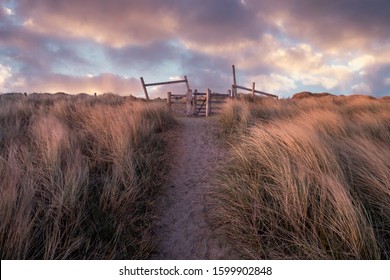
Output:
[[73, 46]]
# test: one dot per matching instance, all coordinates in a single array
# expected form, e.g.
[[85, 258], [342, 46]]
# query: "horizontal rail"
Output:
[[220, 94], [257, 91], [212, 94], [166, 83]]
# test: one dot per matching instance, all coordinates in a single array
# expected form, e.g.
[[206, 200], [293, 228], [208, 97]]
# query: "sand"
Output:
[[181, 229]]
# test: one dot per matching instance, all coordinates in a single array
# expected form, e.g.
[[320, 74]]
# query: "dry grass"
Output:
[[308, 179], [78, 176]]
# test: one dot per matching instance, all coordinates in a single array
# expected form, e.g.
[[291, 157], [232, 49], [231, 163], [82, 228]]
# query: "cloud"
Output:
[[361, 62], [217, 22], [361, 88], [273, 83], [151, 56], [112, 23], [75, 84], [8, 11], [376, 78], [337, 46], [334, 25], [5, 73], [122, 23]]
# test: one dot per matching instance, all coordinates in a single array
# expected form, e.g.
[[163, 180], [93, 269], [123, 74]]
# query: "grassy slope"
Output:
[[308, 179], [78, 176]]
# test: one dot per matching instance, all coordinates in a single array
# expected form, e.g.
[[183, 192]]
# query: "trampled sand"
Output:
[[182, 230]]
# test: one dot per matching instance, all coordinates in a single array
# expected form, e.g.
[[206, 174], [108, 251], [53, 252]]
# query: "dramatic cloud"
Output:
[[335, 25], [284, 46], [114, 23]]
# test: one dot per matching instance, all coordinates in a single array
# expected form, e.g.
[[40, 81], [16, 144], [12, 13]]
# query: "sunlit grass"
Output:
[[307, 179], [79, 176]]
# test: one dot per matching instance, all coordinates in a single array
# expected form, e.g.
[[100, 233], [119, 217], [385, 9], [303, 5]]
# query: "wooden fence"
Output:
[[252, 90], [198, 103], [144, 86]]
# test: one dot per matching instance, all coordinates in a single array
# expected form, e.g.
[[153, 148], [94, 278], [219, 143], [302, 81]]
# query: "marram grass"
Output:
[[307, 179], [79, 176]]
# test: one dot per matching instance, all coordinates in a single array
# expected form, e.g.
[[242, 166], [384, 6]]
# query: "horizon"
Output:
[[285, 47]]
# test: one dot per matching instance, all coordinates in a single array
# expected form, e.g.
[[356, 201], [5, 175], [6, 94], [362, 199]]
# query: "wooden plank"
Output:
[[208, 102], [215, 94], [195, 103], [144, 87], [169, 100], [165, 83], [188, 103], [187, 84], [212, 94], [178, 95], [257, 91], [201, 107]]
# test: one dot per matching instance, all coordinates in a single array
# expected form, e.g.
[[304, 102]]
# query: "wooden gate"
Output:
[[197, 103], [207, 103]]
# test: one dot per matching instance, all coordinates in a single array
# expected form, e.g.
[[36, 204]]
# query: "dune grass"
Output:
[[79, 176], [307, 179]]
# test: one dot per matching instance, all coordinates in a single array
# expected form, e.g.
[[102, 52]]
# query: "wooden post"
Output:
[[234, 82], [230, 93], [208, 102], [187, 84], [145, 90], [189, 105], [169, 101], [253, 89], [95, 94], [195, 103]]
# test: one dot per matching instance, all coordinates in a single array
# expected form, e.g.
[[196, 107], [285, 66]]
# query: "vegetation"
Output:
[[79, 176], [308, 178]]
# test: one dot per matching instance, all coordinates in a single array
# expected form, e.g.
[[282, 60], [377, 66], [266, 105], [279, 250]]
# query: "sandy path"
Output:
[[182, 231]]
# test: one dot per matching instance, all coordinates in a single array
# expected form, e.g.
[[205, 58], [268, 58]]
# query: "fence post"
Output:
[[208, 102], [187, 84], [169, 101], [253, 89], [145, 90], [234, 93], [195, 103], [189, 101]]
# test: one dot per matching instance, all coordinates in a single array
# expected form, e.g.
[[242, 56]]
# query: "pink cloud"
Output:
[[113, 23]]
